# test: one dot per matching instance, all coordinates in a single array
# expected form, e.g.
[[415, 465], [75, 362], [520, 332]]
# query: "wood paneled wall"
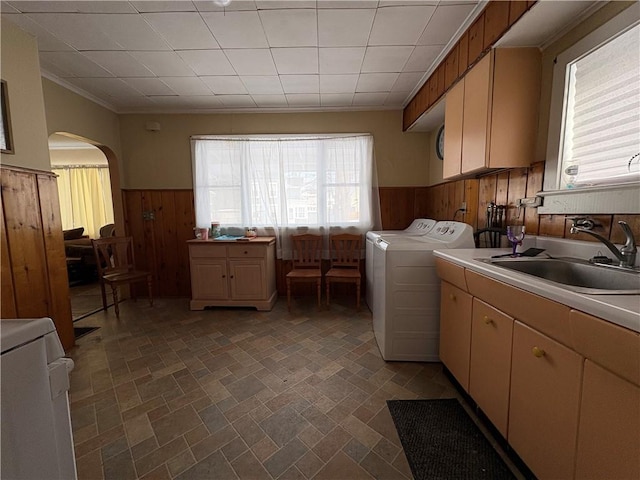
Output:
[[34, 268]]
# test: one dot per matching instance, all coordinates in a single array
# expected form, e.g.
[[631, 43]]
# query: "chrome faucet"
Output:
[[626, 255]]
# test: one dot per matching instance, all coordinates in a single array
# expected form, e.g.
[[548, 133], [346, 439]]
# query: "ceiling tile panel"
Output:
[[252, 61], [284, 4], [422, 58], [376, 82], [171, 101], [88, 86], [344, 28], [341, 60], [411, 3], [270, 100], [300, 83], [385, 59], [46, 41], [53, 68], [113, 87], [76, 64], [342, 84], [164, 6], [234, 6], [76, 29], [395, 99], [303, 100], [398, 25], [131, 32], [295, 60], [225, 85], [164, 64], [186, 85], [262, 84], [347, 3], [336, 99], [207, 62], [406, 82], [208, 101], [237, 101], [119, 63], [182, 30], [236, 29], [132, 102], [290, 28], [444, 23], [370, 99], [149, 86], [72, 7]]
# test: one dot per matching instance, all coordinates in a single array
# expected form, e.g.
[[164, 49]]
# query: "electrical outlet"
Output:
[[148, 215], [463, 206]]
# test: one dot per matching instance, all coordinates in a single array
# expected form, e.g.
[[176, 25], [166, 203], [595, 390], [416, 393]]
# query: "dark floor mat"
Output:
[[441, 441], [82, 331]]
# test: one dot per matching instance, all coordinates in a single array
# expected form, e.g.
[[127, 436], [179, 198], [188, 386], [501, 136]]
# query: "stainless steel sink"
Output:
[[577, 275]]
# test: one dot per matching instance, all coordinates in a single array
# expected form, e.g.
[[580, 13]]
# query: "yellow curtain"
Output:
[[85, 198]]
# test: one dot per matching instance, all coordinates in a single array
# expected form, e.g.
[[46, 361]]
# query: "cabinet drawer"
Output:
[[454, 274], [246, 251], [207, 251]]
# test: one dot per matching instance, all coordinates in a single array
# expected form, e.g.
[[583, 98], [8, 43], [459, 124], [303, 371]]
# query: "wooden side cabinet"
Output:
[[455, 332], [454, 105], [232, 273]]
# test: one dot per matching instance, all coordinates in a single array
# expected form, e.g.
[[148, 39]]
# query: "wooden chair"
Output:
[[345, 262], [116, 266], [307, 252]]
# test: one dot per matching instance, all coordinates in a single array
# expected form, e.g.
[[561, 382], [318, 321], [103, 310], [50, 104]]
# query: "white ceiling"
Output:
[[190, 56]]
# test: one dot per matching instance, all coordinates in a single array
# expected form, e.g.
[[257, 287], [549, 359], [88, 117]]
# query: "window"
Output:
[[282, 184], [593, 163]]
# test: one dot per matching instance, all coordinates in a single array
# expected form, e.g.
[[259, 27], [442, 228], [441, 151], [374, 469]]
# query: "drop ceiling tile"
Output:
[[342, 84], [284, 4], [376, 82], [105, 6], [344, 28], [186, 85], [46, 41], [422, 58], [295, 60], [78, 30], [406, 82], [5, 7], [240, 101], [262, 84], [399, 25], [385, 59], [234, 6], [164, 6], [270, 100], [336, 99], [149, 86], [72, 7], [347, 3], [182, 30], [54, 68], [75, 64], [290, 28], [113, 87], [131, 32], [444, 23], [369, 99], [131, 102], [208, 101], [171, 101], [341, 60], [252, 61], [396, 3], [207, 62], [300, 83], [225, 85], [303, 100], [119, 63], [395, 99], [88, 86], [164, 64], [236, 29]]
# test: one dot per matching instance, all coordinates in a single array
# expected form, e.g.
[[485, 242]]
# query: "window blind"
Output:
[[601, 135]]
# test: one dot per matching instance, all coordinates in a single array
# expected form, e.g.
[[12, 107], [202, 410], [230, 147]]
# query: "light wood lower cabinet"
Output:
[[233, 274], [455, 332], [609, 429], [544, 402], [490, 368]]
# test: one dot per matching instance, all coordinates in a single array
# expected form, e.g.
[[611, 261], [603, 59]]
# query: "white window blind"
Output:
[[601, 131]]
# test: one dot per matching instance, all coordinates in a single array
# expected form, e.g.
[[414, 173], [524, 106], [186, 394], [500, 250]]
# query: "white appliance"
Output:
[[420, 226], [406, 291], [37, 441]]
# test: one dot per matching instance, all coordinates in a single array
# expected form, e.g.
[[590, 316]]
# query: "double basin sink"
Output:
[[576, 275]]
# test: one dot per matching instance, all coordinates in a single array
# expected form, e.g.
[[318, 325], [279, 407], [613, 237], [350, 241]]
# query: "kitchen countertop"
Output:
[[623, 310]]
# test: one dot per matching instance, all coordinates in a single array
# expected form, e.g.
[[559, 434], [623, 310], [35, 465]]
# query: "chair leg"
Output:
[[150, 287], [358, 295], [328, 292], [104, 294], [114, 291], [319, 288], [289, 294]]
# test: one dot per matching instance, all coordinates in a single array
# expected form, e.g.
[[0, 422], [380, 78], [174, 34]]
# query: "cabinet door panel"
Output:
[[455, 332], [454, 104], [209, 279], [247, 279], [490, 369], [609, 433], [545, 394], [477, 100]]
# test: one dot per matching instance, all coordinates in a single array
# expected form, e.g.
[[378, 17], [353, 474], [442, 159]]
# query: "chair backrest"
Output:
[[307, 251], [345, 250], [108, 230], [114, 255]]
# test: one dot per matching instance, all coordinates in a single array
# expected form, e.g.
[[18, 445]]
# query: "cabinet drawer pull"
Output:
[[487, 320], [246, 252], [452, 297], [538, 352]]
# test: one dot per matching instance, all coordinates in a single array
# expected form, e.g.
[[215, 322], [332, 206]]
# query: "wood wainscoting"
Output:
[[34, 268]]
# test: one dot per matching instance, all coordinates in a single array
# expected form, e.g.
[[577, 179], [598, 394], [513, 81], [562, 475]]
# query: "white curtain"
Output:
[[286, 185], [85, 197]]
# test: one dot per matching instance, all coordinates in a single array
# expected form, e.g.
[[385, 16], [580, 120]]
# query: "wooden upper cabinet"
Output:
[[463, 54], [440, 74], [477, 91], [496, 22], [451, 68], [516, 9], [454, 104], [433, 88], [476, 39]]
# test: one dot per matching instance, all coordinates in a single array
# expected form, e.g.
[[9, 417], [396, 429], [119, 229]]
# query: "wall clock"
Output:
[[440, 143]]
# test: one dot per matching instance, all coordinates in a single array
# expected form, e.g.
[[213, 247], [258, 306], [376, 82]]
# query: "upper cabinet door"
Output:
[[454, 104], [477, 103]]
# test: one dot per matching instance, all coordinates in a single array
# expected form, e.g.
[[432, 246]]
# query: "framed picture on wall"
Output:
[[6, 141]]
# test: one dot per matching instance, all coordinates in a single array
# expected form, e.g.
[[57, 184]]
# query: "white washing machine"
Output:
[[406, 291], [419, 227]]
